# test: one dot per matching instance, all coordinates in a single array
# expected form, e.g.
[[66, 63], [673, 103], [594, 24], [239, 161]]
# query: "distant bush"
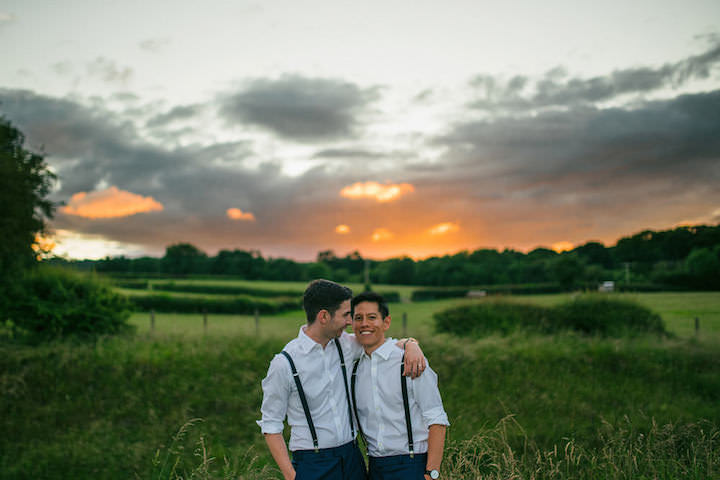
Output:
[[592, 314], [491, 317], [391, 297], [225, 290], [132, 284], [238, 305], [54, 302], [607, 317], [428, 294]]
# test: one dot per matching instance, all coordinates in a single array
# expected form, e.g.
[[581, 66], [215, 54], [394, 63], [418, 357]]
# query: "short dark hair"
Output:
[[324, 295], [371, 297]]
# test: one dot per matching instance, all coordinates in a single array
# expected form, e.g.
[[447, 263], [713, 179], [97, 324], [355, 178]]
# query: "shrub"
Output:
[[225, 290], [491, 317], [591, 314], [53, 302], [607, 317], [132, 284], [238, 305]]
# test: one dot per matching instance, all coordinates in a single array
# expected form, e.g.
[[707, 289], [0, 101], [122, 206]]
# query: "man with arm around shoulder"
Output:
[[403, 425]]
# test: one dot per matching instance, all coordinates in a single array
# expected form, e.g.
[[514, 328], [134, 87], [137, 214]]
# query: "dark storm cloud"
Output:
[[593, 155], [300, 108], [176, 113], [555, 89], [90, 146]]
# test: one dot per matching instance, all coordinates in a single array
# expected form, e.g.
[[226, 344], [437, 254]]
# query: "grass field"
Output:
[[562, 406], [678, 311]]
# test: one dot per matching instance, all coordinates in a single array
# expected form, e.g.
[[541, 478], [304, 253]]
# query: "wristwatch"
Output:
[[432, 474]]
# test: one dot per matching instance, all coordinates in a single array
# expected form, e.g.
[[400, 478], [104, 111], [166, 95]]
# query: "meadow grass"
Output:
[[111, 409]]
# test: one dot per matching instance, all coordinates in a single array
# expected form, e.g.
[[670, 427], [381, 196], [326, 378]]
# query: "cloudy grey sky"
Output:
[[389, 127]]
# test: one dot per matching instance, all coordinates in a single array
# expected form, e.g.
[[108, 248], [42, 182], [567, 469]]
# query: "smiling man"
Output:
[[308, 383], [403, 422]]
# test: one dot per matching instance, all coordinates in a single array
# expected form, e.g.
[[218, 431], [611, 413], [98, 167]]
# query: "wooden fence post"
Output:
[[205, 325], [697, 326], [152, 320], [404, 324], [257, 322]]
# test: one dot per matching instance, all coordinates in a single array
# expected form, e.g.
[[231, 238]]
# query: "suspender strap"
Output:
[[303, 400], [345, 382], [354, 401], [408, 424]]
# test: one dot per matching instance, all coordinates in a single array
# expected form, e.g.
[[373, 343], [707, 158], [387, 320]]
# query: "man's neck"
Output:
[[316, 333], [370, 349]]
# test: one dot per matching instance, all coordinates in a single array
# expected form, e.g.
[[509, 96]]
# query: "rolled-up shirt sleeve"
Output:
[[427, 396], [276, 394]]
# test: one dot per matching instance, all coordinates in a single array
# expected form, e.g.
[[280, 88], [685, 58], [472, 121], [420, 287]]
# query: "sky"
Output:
[[391, 128]]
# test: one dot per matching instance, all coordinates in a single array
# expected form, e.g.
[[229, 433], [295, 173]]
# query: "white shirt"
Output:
[[380, 404], [322, 381]]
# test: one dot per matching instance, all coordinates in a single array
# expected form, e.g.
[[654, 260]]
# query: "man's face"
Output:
[[340, 320], [369, 326]]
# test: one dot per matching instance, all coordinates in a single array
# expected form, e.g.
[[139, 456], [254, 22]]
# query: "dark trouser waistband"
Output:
[[340, 451], [398, 459]]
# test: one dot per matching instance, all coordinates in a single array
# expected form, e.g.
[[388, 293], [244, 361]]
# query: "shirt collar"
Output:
[[306, 343], [386, 349]]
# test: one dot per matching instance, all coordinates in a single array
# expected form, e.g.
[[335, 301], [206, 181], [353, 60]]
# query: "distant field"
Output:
[[678, 310]]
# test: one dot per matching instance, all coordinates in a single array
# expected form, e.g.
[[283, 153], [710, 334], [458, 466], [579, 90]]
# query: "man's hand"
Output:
[[414, 358]]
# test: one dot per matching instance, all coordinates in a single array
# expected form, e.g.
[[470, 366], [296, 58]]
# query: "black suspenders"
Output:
[[403, 385], [303, 399]]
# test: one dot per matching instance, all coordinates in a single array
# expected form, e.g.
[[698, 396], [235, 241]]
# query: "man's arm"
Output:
[[436, 444], [414, 358], [278, 449]]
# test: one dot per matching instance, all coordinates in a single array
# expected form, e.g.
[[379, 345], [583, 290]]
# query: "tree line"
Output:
[[684, 257]]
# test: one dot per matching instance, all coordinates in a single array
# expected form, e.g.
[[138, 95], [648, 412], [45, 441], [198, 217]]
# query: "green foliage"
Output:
[[55, 303], [25, 181], [589, 314], [243, 305], [426, 294], [599, 315], [184, 258], [225, 290], [486, 318]]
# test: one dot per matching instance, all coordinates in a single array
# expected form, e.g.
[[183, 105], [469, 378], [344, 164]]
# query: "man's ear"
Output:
[[386, 322], [322, 316]]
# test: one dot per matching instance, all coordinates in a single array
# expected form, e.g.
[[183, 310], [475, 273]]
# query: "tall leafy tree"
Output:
[[25, 182]]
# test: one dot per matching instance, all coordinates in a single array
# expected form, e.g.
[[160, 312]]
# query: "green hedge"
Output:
[[225, 290], [593, 315], [132, 284], [240, 305], [52, 302], [426, 294]]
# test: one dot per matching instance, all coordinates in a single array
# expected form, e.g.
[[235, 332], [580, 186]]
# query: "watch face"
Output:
[[434, 474]]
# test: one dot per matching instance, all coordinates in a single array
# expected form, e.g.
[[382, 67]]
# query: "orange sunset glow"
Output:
[[562, 246], [237, 214], [444, 228], [381, 234], [342, 229], [381, 193], [109, 203]]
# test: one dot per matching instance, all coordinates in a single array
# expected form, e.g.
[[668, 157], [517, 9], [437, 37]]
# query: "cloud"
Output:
[[342, 229], [557, 89], [237, 214], [349, 153], [300, 108], [6, 18], [444, 228], [108, 71], [109, 203], [154, 45], [180, 112], [381, 193], [381, 235]]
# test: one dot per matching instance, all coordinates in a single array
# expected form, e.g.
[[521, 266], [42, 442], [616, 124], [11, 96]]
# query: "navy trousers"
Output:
[[398, 467], [339, 463]]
